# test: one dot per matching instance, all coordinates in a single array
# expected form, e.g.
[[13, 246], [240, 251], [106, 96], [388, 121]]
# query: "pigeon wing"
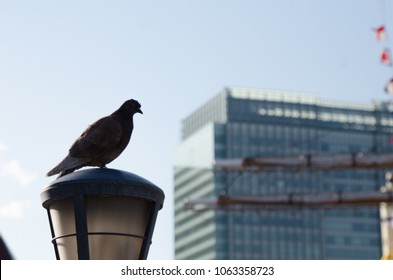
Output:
[[99, 138]]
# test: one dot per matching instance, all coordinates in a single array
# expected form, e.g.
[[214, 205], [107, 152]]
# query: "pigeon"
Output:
[[101, 142]]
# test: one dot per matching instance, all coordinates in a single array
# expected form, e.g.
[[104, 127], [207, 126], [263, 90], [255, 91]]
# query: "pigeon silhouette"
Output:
[[101, 142]]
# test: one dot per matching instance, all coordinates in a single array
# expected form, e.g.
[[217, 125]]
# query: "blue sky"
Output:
[[64, 64]]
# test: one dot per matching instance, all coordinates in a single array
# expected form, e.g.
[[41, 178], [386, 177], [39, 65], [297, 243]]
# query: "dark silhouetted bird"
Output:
[[101, 142]]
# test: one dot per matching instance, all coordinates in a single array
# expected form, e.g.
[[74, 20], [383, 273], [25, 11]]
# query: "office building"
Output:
[[242, 122]]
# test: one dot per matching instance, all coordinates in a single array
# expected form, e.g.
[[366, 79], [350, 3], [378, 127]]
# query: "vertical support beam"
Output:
[[82, 237], [52, 231], [149, 231]]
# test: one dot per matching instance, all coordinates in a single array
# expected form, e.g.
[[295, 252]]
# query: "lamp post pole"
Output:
[[102, 214]]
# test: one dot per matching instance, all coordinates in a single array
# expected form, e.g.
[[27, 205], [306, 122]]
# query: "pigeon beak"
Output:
[[139, 111]]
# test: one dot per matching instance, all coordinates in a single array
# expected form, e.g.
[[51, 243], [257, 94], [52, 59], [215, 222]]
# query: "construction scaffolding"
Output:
[[297, 163], [309, 161], [382, 198], [294, 200]]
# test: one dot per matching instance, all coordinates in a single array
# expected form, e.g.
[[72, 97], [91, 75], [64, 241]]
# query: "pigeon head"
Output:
[[131, 106]]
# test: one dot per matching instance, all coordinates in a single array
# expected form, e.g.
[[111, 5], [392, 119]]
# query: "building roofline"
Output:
[[296, 97]]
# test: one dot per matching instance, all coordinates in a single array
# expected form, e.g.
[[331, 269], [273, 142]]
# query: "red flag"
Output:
[[380, 33], [385, 57], [389, 87]]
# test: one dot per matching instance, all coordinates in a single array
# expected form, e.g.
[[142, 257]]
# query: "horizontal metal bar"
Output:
[[100, 233], [295, 199], [309, 161]]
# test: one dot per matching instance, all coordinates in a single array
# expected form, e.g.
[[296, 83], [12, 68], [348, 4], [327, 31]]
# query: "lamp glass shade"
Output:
[[63, 218], [116, 227]]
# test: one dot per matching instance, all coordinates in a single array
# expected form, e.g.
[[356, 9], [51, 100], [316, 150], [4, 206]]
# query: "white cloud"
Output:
[[13, 210], [3, 148], [14, 170]]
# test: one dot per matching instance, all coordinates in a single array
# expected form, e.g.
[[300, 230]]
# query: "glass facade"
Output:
[[241, 123]]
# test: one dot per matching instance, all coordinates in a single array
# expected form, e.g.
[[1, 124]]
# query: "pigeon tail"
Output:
[[68, 165]]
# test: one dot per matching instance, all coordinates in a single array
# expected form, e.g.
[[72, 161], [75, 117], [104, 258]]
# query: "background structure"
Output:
[[246, 123]]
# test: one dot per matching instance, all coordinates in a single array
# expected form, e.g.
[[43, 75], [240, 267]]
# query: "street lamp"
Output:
[[102, 213]]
